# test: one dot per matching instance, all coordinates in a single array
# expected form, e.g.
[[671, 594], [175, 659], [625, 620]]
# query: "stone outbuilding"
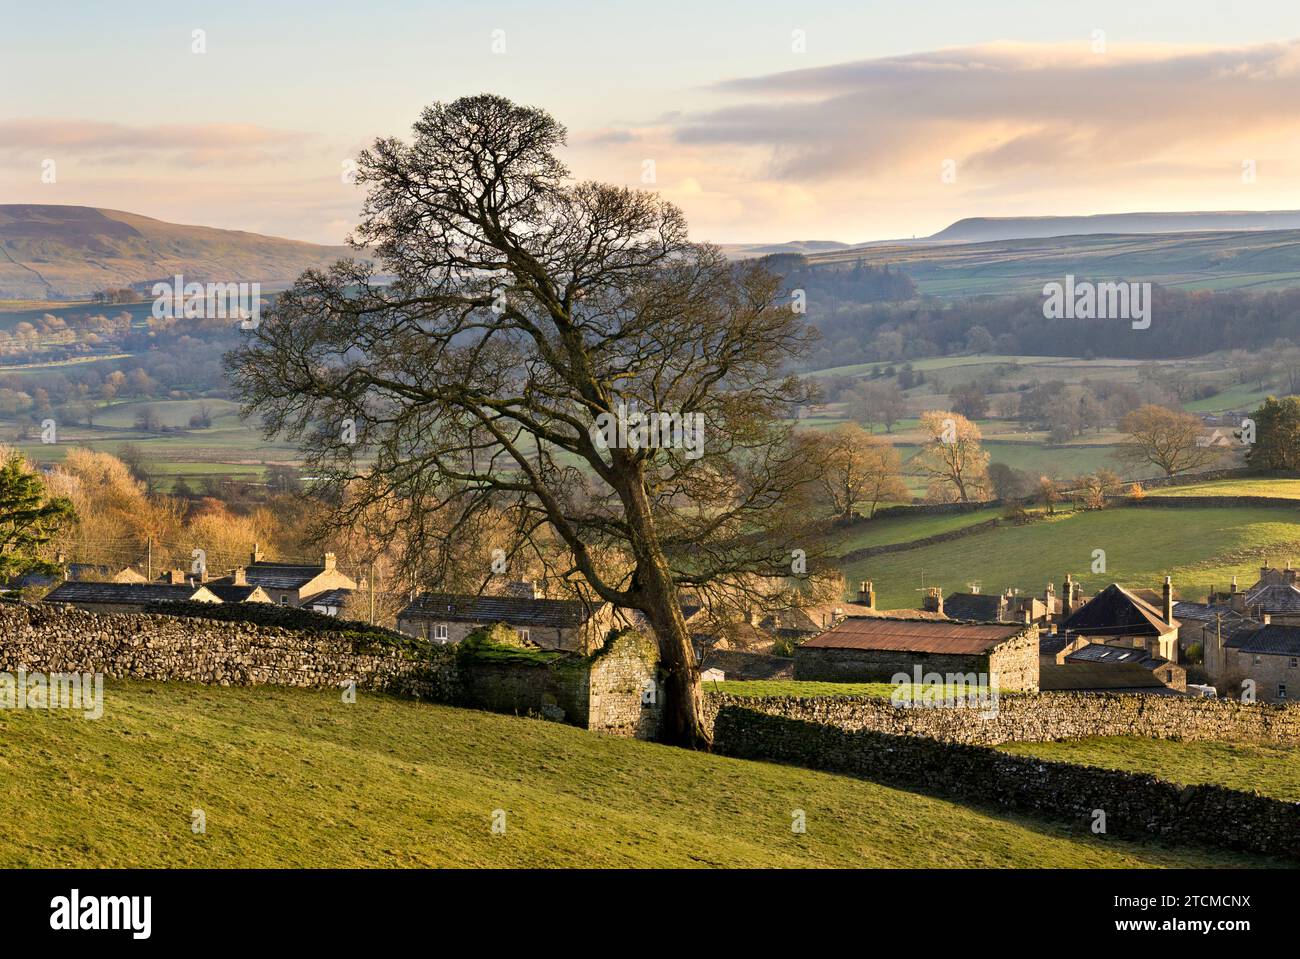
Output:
[[875, 649]]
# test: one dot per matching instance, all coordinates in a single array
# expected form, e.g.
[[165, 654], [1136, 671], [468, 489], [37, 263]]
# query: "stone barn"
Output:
[[874, 649]]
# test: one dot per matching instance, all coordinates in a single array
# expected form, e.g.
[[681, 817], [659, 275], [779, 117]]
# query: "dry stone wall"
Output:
[[55, 638], [244, 646], [1040, 717], [1135, 805]]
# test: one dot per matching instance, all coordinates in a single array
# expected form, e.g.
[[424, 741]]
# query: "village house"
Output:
[[876, 648], [1265, 653], [1167, 673], [291, 584], [1118, 616], [126, 597], [559, 624]]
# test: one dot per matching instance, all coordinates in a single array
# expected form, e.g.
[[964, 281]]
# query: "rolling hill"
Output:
[[985, 228], [1216, 260], [68, 252]]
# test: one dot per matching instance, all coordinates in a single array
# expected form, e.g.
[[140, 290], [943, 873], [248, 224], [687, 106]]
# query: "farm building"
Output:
[[875, 649], [1109, 654]]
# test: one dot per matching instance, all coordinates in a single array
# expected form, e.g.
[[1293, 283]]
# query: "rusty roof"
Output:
[[916, 635]]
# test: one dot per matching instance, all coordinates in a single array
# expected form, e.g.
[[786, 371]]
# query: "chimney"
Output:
[[176, 577], [867, 595], [1265, 618], [934, 600], [1067, 601], [1169, 600], [239, 577], [256, 556], [1237, 599], [328, 562]]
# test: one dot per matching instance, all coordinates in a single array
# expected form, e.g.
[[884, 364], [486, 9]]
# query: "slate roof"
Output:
[[515, 611], [976, 607], [1100, 677], [1274, 598], [230, 593], [332, 597], [915, 635], [281, 575], [1117, 612], [1108, 654], [83, 592], [1275, 639]]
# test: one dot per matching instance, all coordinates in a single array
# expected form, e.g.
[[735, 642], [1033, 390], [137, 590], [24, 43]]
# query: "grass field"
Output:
[[1271, 769], [1282, 488], [887, 530], [1199, 547], [298, 778]]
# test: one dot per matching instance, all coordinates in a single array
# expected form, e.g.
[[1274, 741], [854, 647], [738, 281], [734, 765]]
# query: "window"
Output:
[[284, 599], [440, 633], [1257, 660], [1281, 690], [1292, 664], [523, 634]]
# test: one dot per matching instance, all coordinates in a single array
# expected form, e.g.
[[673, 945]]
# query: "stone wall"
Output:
[[1040, 717], [614, 690], [246, 645], [49, 637], [1135, 805]]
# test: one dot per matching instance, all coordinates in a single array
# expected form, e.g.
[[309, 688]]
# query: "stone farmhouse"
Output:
[[1118, 616], [291, 584], [127, 597], [876, 648]]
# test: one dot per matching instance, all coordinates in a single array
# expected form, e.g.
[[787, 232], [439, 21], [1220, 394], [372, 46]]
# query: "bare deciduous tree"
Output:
[[525, 315]]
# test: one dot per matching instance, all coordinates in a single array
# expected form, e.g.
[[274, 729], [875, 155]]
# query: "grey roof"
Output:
[[230, 593], [333, 597], [1275, 598], [1113, 653], [1117, 611], [978, 607], [1098, 677], [513, 610], [281, 575], [1275, 639], [83, 592]]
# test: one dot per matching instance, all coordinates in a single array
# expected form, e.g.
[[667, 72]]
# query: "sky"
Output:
[[765, 121]]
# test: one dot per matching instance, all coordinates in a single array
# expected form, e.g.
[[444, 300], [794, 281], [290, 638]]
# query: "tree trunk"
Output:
[[681, 712]]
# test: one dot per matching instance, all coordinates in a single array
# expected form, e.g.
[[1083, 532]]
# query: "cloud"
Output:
[[1004, 107], [202, 144]]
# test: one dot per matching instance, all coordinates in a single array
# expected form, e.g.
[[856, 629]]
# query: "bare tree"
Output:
[[535, 343], [855, 467], [953, 457], [1169, 439]]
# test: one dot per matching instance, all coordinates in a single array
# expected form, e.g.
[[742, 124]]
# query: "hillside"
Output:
[[298, 778], [69, 252], [986, 228], [1260, 259]]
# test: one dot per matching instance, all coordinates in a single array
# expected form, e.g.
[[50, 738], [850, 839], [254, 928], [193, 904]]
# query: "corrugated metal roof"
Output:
[[915, 636]]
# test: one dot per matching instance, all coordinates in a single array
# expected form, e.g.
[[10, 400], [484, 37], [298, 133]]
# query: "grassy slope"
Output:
[[1199, 547], [289, 777], [1286, 489], [1271, 769]]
